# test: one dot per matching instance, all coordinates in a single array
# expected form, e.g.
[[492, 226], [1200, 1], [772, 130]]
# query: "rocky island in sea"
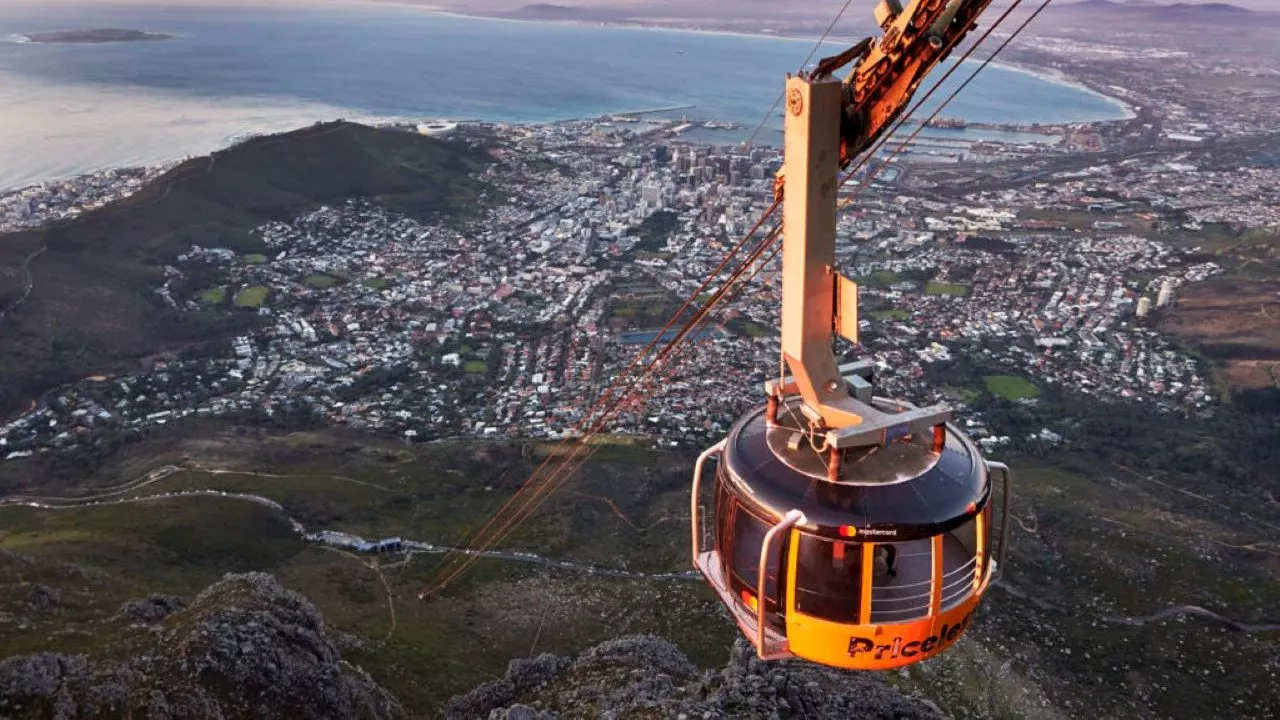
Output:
[[101, 35]]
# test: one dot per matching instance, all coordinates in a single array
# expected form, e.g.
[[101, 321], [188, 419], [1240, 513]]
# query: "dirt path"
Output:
[[1140, 620], [386, 587], [337, 540], [250, 473], [30, 282]]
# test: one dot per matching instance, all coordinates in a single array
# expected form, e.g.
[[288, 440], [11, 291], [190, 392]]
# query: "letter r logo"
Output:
[[857, 645]]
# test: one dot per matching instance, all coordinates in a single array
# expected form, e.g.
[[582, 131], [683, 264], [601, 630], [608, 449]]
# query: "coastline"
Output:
[[610, 24], [165, 36], [1058, 77], [227, 120], [1124, 109], [92, 37]]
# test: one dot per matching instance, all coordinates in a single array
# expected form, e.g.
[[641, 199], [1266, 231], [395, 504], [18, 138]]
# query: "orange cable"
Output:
[[469, 540], [557, 477]]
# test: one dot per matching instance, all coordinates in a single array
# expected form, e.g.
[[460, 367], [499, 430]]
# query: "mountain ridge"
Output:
[[244, 648], [1157, 12], [92, 309]]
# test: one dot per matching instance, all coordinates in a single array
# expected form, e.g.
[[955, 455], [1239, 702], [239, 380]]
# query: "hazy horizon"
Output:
[[711, 6]]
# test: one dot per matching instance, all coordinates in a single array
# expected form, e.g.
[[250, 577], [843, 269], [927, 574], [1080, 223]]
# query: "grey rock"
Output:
[[151, 609], [520, 712], [40, 599], [244, 648], [647, 677]]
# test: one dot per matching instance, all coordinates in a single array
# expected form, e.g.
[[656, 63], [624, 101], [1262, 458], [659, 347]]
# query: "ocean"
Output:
[[228, 72]]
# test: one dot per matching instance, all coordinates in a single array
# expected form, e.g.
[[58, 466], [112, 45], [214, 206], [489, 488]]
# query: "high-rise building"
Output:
[[1144, 306], [1166, 293], [651, 195]]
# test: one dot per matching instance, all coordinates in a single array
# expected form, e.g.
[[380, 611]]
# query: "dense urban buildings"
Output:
[[512, 326]]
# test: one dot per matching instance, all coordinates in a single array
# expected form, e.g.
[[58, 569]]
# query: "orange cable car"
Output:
[[850, 530], [879, 569]]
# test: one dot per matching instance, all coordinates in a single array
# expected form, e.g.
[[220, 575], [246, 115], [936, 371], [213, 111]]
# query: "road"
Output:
[[332, 540], [343, 541], [29, 280], [1138, 621], [108, 493]]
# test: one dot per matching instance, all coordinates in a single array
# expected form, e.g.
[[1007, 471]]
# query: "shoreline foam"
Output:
[[1125, 110], [1059, 78]]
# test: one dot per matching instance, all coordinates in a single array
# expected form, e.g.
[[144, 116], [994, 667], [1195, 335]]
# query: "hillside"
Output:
[[243, 648], [1215, 16], [548, 11], [92, 307], [1113, 572]]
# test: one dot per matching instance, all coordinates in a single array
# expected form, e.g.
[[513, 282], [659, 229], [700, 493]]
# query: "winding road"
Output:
[[1140, 620], [344, 542], [1194, 611], [335, 540], [30, 280]]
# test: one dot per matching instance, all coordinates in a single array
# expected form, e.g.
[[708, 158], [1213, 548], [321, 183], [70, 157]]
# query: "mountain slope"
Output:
[[92, 308], [1105, 11], [245, 648]]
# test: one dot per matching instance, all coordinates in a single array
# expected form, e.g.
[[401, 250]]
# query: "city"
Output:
[[512, 326]]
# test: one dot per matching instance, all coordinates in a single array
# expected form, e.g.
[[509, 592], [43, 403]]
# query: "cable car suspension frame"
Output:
[[885, 470]]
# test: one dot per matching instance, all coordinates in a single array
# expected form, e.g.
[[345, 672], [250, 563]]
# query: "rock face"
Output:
[[647, 677], [244, 648], [153, 608], [248, 648]]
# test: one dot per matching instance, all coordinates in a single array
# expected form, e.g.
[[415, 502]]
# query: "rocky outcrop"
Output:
[[248, 648], [647, 677], [151, 609], [244, 648]]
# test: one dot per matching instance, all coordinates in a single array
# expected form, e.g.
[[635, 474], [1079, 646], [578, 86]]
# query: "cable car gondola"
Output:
[[877, 569], [851, 530]]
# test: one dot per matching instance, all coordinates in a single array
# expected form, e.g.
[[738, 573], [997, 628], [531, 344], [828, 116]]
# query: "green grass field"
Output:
[[894, 314], [255, 258], [320, 281], [376, 283], [379, 489], [940, 288], [964, 394], [1011, 387], [475, 367], [252, 297], [879, 279], [213, 296]]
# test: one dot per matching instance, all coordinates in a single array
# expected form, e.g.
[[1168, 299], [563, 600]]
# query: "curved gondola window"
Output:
[[902, 581], [748, 537], [724, 519], [828, 578], [959, 563]]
